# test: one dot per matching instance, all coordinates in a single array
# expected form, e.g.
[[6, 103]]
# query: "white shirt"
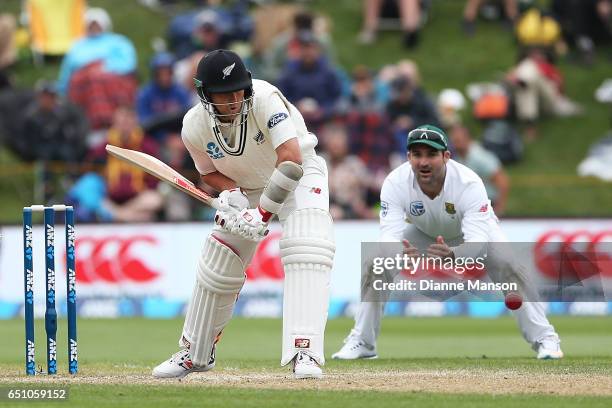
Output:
[[462, 209], [248, 155]]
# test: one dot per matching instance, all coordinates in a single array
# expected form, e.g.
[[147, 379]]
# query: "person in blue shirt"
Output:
[[115, 51], [161, 99], [310, 82]]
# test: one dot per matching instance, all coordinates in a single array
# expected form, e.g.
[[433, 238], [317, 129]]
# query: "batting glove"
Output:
[[234, 198], [231, 202], [252, 224]]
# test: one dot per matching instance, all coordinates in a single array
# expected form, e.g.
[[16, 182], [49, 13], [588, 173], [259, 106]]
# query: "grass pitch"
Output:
[[423, 361]]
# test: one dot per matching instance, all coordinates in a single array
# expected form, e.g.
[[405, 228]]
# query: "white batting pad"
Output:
[[307, 253], [220, 277]]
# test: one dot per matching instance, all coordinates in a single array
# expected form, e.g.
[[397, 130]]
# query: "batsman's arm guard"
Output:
[[284, 180]]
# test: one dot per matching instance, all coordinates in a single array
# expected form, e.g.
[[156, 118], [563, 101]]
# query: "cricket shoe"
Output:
[[549, 349], [180, 364], [353, 349], [305, 366]]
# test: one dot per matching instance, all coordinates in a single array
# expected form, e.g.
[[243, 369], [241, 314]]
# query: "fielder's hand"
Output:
[[250, 224], [440, 249]]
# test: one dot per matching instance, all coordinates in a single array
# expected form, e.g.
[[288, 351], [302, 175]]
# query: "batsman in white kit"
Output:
[[434, 206], [248, 142]]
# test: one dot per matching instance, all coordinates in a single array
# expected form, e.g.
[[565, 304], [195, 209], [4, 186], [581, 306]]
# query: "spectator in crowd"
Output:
[[484, 163], [349, 180], [409, 14], [115, 52], [98, 72], [54, 129], [310, 82], [371, 139], [205, 36], [185, 71], [209, 26], [370, 134], [584, 23], [285, 47], [366, 94], [162, 103], [537, 85], [409, 107], [131, 194], [470, 13]]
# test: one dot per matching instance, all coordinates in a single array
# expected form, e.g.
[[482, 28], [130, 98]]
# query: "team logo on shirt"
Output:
[[450, 208], [276, 119], [484, 208], [417, 208], [259, 138], [384, 208], [213, 151]]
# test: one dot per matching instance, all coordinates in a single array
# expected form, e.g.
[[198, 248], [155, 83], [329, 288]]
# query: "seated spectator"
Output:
[[12, 103], [366, 94], [584, 23], [97, 72], [185, 71], [285, 47], [409, 14], [484, 163], [162, 103], [310, 82], [131, 194], [371, 139], [205, 35], [537, 86], [348, 177], [470, 13], [409, 107], [115, 51], [54, 129], [210, 27]]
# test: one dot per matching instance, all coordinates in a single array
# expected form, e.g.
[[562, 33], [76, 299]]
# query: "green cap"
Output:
[[429, 135]]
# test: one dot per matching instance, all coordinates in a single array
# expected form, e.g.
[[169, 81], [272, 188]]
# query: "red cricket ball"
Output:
[[513, 301]]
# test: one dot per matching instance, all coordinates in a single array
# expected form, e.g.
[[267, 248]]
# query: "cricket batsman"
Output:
[[425, 203], [248, 142]]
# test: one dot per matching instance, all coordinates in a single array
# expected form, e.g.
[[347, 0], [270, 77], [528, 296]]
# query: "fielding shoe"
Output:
[[549, 349], [353, 349], [180, 364], [305, 366]]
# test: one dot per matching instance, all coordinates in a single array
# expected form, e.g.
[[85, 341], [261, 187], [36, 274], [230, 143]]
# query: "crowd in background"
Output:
[[361, 116]]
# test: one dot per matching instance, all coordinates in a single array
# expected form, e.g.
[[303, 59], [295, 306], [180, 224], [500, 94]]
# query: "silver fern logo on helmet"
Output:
[[227, 71]]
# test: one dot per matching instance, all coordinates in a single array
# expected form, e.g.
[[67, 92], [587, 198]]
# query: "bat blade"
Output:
[[162, 171]]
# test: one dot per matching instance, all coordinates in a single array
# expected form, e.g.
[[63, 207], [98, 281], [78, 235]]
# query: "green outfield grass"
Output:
[[445, 349]]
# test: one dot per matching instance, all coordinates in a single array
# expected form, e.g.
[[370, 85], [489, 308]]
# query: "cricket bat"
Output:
[[162, 171]]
